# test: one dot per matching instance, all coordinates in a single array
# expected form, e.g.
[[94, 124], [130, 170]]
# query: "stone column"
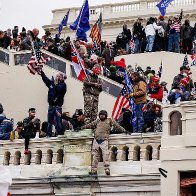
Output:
[[142, 153], [119, 155], [143, 5], [77, 149]]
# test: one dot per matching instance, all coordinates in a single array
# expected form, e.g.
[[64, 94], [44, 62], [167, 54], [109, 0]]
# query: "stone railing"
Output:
[[144, 147], [122, 10], [21, 58]]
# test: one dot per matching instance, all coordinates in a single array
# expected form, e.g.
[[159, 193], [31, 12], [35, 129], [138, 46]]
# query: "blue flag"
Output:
[[81, 34], [129, 87], [63, 24], [162, 5], [82, 20]]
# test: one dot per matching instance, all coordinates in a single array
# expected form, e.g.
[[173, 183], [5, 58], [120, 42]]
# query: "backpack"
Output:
[[161, 32]]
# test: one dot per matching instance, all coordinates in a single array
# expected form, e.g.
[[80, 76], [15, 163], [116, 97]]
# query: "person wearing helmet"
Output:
[[155, 90], [102, 127], [92, 87]]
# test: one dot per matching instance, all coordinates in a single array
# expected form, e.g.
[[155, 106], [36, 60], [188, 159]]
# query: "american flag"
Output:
[[132, 46], [37, 61], [121, 102], [96, 31]]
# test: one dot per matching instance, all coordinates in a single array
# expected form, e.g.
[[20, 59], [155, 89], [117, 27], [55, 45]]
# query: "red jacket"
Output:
[[156, 92], [120, 63]]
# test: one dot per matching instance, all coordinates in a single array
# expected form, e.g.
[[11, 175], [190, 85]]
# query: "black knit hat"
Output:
[[31, 110]]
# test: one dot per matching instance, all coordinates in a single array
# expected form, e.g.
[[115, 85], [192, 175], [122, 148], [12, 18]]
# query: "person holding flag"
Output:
[[139, 94]]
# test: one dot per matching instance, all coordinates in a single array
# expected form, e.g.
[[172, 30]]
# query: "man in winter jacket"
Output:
[[102, 127], [139, 95], [56, 92]]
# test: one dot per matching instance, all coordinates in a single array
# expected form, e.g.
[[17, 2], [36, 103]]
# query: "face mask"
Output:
[[184, 74]]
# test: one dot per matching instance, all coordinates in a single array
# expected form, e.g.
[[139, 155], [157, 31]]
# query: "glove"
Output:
[[78, 129], [127, 133]]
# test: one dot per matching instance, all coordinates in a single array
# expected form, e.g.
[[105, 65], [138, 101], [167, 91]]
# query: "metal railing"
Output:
[[4, 56]]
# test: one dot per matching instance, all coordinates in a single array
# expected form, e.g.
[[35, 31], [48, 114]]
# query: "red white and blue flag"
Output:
[[121, 102], [78, 64]]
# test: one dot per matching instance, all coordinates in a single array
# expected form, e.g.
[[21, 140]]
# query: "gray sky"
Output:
[[36, 13]]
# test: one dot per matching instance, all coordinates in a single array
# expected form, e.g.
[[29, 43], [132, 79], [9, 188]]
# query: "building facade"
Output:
[[117, 14]]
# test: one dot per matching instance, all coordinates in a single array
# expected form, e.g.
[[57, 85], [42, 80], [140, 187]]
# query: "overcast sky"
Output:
[[36, 13]]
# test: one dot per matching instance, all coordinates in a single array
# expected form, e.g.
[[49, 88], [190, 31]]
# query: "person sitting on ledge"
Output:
[[18, 132], [31, 128], [102, 127]]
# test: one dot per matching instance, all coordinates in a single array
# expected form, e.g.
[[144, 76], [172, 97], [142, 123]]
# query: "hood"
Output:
[[122, 59]]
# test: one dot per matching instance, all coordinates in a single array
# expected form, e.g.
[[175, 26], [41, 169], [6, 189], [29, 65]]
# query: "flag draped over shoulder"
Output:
[[132, 46], [81, 24], [129, 86], [162, 5], [63, 24], [78, 64], [96, 31]]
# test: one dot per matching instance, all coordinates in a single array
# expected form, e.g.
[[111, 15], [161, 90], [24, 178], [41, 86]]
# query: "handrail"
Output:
[[63, 65]]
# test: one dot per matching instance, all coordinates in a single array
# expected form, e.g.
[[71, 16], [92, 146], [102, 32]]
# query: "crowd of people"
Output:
[[156, 36]]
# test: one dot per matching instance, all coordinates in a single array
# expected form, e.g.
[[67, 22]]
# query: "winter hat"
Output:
[[96, 70], [161, 17], [155, 79]]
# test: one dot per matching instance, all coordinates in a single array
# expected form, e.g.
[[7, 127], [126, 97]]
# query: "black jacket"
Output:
[[56, 92]]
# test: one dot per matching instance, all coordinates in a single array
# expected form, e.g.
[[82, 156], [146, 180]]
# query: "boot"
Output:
[[107, 172], [37, 135], [93, 172]]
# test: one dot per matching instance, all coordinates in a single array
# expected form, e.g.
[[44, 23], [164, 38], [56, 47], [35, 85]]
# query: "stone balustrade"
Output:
[[61, 150], [118, 10]]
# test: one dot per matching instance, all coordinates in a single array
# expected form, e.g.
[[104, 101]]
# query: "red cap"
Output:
[[161, 17], [96, 70], [155, 79]]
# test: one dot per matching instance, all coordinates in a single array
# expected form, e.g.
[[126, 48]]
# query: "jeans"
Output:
[[173, 39], [53, 118], [139, 125], [137, 45], [150, 42]]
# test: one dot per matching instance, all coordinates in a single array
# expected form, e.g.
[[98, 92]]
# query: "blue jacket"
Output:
[[56, 92], [5, 127]]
